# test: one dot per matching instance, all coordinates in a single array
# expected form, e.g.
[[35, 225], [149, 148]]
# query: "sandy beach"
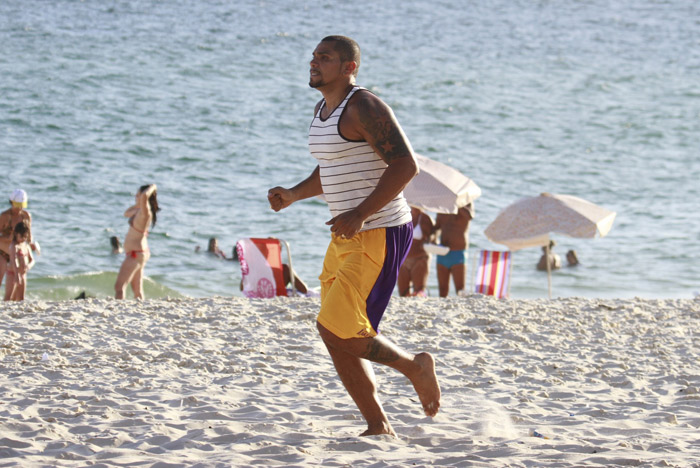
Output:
[[238, 382]]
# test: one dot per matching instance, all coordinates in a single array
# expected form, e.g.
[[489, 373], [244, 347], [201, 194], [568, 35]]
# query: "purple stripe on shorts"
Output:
[[398, 242]]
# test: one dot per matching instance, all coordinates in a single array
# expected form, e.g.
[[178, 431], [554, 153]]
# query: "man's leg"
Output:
[[358, 378], [443, 276], [459, 276], [348, 356]]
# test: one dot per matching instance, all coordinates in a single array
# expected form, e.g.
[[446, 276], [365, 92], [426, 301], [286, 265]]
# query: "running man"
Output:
[[364, 162]]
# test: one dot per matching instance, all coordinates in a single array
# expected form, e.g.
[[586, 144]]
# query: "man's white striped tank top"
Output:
[[350, 170]]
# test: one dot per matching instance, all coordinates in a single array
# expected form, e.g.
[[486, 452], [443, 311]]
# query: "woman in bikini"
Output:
[[141, 216], [415, 269], [8, 220]]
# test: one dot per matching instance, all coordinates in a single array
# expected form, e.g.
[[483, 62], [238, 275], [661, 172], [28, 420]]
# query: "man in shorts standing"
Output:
[[364, 162]]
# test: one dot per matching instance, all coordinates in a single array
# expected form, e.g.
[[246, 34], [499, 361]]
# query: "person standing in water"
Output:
[[141, 216], [8, 220], [21, 261], [553, 259], [364, 163]]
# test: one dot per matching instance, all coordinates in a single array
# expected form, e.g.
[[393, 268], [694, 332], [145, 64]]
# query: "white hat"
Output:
[[19, 196]]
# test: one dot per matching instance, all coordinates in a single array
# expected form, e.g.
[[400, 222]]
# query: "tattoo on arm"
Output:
[[378, 352], [388, 138]]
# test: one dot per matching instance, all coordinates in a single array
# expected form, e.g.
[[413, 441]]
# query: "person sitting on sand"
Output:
[[299, 283], [140, 215], [21, 261], [554, 259]]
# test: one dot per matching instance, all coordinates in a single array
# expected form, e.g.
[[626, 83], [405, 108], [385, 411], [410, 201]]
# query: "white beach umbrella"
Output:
[[529, 221], [440, 188]]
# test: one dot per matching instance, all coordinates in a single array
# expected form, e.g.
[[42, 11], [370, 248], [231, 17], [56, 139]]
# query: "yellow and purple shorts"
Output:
[[358, 279]]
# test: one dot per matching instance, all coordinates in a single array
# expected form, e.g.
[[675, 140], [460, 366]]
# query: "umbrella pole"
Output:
[[549, 271]]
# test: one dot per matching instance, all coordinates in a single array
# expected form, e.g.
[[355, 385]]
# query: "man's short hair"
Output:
[[347, 48]]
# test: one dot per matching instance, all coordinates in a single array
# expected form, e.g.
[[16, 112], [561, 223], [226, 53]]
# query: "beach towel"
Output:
[[493, 273], [261, 267]]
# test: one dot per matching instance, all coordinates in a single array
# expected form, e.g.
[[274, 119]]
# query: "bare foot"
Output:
[[426, 384], [384, 428]]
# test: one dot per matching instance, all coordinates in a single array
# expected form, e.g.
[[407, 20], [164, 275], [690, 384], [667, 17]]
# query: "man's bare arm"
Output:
[[280, 197]]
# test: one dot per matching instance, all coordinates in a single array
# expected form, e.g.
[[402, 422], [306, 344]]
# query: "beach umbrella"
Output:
[[529, 221], [440, 188]]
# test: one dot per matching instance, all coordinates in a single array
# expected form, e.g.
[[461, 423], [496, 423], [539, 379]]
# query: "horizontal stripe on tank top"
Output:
[[350, 170]]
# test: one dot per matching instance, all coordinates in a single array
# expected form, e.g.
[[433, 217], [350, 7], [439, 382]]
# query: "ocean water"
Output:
[[209, 100]]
